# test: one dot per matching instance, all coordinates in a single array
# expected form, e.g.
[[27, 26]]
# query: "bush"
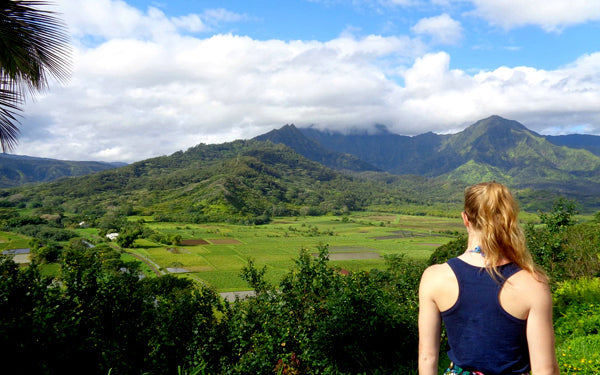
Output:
[[319, 321], [580, 355], [577, 308], [450, 250], [99, 317]]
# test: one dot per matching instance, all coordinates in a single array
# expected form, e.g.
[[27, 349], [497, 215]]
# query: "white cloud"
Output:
[[436, 97], [551, 15], [116, 19], [146, 93], [442, 29], [191, 22]]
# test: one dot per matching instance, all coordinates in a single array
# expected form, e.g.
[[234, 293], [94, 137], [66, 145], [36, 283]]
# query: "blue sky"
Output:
[[152, 77]]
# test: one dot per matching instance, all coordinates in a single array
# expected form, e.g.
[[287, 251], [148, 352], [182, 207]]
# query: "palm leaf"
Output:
[[34, 44]]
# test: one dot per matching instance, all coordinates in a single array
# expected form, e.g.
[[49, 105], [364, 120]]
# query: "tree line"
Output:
[[99, 315]]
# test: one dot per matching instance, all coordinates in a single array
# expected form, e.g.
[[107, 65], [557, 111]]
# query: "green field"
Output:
[[13, 241], [357, 242]]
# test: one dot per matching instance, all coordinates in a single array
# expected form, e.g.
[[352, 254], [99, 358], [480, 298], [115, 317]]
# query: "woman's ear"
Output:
[[465, 219]]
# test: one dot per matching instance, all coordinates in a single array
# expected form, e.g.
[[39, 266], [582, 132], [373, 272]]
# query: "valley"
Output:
[[214, 253]]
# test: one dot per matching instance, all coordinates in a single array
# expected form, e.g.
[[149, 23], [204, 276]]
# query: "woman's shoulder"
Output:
[[438, 269], [529, 280], [437, 274], [530, 286]]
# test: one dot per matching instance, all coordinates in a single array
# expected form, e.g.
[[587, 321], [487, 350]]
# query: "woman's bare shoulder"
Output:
[[529, 285], [437, 273]]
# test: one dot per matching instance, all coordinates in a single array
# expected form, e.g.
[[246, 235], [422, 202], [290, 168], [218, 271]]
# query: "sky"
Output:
[[152, 77]]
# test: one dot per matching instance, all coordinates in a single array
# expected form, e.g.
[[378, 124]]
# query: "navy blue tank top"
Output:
[[482, 336]]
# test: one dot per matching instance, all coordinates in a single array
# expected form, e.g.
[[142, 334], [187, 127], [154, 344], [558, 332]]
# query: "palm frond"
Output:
[[9, 108], [34, 44]]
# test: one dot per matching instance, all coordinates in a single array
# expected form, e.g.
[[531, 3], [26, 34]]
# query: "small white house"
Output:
[[112, 236]]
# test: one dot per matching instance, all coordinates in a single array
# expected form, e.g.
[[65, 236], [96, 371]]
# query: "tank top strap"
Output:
[[462, 269]]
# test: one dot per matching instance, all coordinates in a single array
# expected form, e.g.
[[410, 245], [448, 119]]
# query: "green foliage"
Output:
[[580, 355], [322, 322], [450, 250], [50, 253], [100, 316], [562, 215], [577, 308], [129, 232], [577, 325], [581, 248], [548, 243], [243, 182]]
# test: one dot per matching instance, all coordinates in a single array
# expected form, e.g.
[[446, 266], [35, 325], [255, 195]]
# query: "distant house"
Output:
[[112, 236]]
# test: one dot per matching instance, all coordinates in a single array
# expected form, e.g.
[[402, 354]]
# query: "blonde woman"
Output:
[[494, 302]]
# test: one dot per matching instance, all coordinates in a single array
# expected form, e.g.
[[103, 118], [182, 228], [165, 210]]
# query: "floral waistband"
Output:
[[455, 370]]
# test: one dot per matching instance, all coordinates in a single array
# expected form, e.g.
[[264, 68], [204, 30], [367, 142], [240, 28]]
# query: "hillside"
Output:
[[383, 149], [311, 149], [492, 148], [248, 181], [577, 141], [16, 170], [241, 181]]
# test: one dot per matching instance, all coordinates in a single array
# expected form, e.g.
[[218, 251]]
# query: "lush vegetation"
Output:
[[86, 304], [98, 312], [245, 182], [18, 170], [492, 148]]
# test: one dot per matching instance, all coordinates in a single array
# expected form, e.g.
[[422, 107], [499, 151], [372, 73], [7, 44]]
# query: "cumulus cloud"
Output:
[[436, 97], [145, 92], [551, 15], [143, 95], [442, 29], [109, 19]]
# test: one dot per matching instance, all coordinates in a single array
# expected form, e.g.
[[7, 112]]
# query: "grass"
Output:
[[13, 241], [277, 244]]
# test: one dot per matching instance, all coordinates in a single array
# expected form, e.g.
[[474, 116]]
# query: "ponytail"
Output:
[[492, 210]]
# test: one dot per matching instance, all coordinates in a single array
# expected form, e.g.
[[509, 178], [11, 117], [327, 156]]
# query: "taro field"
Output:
[[215, 253]]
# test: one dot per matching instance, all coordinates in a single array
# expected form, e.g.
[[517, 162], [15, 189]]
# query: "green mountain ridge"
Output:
[[248, 181], [492, 148], [292, 137], [243, 182], [16, 170]]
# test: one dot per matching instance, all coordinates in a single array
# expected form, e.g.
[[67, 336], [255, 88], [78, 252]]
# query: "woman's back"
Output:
[[482, 335], [495, 301]]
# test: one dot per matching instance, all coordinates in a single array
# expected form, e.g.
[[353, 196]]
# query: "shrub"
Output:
[[450, 250], [319, 321], [577, 308], [580, 355], [99, 317]]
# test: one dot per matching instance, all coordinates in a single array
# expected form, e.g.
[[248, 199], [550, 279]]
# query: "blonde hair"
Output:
[[492, 210]]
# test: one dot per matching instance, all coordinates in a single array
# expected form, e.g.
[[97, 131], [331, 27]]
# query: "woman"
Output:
[[494, 302]]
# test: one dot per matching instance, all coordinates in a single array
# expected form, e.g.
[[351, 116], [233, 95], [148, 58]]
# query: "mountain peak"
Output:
[[496, 122], [311, 149]]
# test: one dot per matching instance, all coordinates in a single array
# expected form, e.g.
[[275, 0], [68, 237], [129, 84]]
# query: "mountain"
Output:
[[247, 181], [244, 181], [578, 141], [311, 149], [492, 148], [383, 149], [18, 170]]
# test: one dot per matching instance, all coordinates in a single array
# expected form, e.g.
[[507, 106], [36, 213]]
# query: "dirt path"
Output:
[[147, 262]]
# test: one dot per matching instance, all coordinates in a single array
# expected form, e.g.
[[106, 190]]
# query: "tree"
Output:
[[561, 216], [548, 242], [34, 43]]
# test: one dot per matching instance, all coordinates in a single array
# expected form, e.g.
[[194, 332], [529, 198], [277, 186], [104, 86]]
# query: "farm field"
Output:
[[215, 253]]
